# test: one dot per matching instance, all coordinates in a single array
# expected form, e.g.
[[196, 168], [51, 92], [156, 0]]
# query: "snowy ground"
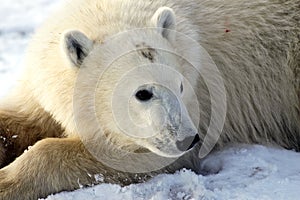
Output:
[[254, 172], [248, 172]]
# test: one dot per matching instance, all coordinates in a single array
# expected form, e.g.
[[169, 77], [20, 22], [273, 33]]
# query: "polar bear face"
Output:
[[137, 87]]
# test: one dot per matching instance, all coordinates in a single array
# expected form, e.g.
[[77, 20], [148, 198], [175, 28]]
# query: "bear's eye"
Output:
[[181, 88], [144, 95]]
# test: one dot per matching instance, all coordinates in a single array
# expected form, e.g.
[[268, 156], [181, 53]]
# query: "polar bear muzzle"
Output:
[[167, 127]]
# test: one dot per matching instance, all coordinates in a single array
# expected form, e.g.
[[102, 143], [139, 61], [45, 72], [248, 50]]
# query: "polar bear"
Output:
[[126, 90]]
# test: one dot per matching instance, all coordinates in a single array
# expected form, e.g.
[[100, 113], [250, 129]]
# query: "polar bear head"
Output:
[[133, 84]]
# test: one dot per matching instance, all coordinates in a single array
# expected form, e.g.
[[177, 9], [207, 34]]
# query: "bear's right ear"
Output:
[[164, 20], [76, 47]]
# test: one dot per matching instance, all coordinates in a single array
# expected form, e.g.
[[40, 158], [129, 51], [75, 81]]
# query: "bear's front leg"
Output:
[[50, 166], [18, 130]]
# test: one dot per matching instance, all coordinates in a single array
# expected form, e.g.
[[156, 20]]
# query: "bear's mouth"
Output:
[[195, 141]]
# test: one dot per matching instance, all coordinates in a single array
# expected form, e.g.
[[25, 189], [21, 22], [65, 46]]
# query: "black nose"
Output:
[[188, 143]]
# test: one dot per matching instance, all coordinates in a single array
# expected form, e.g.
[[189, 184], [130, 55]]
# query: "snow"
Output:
[[248, 172], [19, 20]]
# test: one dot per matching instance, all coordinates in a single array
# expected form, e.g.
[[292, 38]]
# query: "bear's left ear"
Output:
[[165, 21], [76, 46]]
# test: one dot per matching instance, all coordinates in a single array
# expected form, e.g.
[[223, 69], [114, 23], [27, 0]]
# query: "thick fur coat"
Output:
[[254, 44]]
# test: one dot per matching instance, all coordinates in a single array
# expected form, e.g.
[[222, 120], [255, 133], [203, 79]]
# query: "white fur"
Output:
[[254, 44], [112, 17]]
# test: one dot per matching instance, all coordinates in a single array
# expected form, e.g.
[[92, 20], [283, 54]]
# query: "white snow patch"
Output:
[[19, 19], [249, 172]]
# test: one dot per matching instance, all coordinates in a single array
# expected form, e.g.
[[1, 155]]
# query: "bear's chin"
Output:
[[142, 150], [167, 154]]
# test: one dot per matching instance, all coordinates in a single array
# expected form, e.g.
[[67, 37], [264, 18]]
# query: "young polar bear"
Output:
[[124, 90]]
